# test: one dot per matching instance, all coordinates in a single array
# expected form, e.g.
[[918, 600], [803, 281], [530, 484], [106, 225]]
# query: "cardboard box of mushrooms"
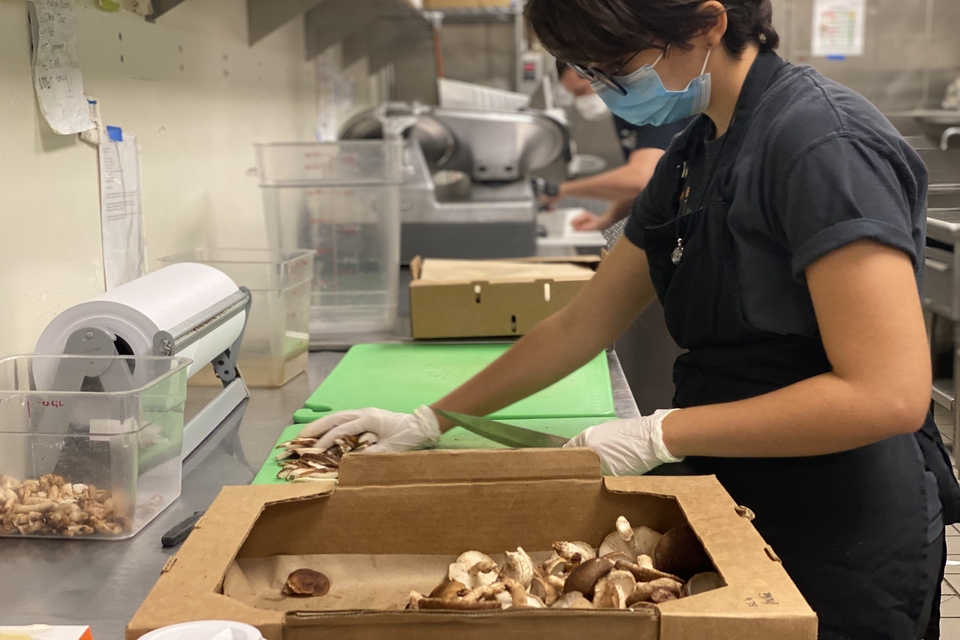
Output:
[[470, 544]]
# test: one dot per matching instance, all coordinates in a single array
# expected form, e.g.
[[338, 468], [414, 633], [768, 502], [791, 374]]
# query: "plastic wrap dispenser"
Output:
[[95, 341]]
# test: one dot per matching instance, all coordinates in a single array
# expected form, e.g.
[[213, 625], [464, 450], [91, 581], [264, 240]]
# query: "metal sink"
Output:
[[943, 200], [944, 169], [934, 122]]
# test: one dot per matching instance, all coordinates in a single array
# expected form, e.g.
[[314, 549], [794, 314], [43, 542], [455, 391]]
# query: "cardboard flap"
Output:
[[428, 467], [415, 267], [438, 272]]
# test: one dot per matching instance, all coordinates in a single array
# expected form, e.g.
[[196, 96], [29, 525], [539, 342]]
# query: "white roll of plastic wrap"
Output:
[[158, 301]]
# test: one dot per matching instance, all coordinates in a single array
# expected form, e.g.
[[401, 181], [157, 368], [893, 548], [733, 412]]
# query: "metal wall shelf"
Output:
[[480, 14]]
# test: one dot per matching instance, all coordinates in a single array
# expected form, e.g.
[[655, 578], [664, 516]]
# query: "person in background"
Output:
[[642, 148]]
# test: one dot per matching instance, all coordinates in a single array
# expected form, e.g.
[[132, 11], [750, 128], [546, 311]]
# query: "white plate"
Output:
[[206, 630]]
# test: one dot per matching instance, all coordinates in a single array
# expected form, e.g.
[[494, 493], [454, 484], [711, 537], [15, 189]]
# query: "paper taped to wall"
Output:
[[56, 66], [121, 213], [838, 27]]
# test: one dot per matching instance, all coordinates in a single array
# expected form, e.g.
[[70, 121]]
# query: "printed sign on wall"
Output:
[[838, 27]]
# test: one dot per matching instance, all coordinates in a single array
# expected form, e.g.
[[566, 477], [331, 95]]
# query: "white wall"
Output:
[[198, 97]]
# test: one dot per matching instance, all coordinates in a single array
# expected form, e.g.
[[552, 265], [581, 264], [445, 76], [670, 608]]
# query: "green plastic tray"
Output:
[[401, 377]]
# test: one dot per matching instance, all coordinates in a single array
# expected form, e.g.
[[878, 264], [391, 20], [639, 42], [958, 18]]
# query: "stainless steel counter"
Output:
[[102, 583]]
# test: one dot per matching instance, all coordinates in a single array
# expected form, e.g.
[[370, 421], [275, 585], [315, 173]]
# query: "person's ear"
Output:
[[717, 25]]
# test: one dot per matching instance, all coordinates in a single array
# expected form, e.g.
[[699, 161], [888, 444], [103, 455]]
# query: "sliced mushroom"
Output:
[[585, 576], [662, 595], [567, 550], [554, 566], [606, 595], [517, 592], [535, 602], [485, 592], [518, 566], [573, 600], [486, 567], [556, 582], [624, 582], [545, 590], [641, 593], [644, 590], [643, 574], [620, 556], [532, 601], [449, 589], [459, 604], [413, 600], [667, 583]]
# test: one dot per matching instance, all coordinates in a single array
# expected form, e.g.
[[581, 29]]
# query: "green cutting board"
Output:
[[455, 438], [402, 377]]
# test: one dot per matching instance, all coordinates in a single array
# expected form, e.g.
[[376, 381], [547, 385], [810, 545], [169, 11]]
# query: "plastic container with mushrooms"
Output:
[[634, 568]]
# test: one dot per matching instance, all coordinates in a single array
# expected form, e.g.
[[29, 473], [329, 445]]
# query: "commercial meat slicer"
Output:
[[467, 189]]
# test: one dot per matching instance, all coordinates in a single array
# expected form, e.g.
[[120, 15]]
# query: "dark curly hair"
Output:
[[604, 31]]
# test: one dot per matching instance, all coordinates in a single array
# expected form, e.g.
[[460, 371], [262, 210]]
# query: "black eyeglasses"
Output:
[[593, 74]]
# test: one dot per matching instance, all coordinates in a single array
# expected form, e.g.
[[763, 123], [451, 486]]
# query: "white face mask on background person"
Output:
[[591, 107]]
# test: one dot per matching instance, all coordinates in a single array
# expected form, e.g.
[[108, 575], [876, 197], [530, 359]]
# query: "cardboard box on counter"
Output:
[[393, 513], [491, 298]]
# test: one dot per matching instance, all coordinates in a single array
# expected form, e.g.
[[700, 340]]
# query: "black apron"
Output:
[[851, 528]]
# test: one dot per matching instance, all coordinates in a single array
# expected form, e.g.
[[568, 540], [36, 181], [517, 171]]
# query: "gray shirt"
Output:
[[819, 168]]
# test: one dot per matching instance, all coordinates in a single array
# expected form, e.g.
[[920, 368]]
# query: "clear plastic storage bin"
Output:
[[342, 200], [276, 339], [100, 461]]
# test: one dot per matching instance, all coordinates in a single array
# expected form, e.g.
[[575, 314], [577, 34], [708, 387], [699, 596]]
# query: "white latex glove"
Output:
[[395, 431], [628, 447]]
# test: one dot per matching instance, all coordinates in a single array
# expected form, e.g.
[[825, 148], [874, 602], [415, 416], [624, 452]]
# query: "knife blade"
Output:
[[505, 434]]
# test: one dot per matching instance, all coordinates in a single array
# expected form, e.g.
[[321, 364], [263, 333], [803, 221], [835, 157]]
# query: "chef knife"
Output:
[[506, 434]]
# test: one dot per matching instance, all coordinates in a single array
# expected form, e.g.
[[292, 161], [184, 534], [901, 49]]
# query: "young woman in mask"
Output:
[[642, 145], [783, 232]]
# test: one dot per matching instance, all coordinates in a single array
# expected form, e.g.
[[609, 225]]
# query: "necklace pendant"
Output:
[[677, 254]]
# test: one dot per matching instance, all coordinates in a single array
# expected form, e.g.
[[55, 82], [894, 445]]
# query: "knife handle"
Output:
[[179, 532]]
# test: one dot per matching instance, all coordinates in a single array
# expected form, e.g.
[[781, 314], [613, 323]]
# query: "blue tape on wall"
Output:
[[115, 133]]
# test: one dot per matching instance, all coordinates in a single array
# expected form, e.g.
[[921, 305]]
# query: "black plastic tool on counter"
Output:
[[179, 532]]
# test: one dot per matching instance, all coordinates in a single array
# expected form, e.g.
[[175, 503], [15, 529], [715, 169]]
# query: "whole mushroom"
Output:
[[518, 566], [680, 553], [585, 576], [567, 550], [702, 582], [631, 541], [473, 569], [306, 582]]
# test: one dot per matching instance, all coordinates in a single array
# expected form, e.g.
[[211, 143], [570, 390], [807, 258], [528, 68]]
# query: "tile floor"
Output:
[[949, 599]]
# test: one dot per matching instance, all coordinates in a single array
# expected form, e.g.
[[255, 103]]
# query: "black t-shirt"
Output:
[[819, 168], [633, 137]]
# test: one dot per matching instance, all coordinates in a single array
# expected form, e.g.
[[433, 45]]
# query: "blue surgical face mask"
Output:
[[648, 101]]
